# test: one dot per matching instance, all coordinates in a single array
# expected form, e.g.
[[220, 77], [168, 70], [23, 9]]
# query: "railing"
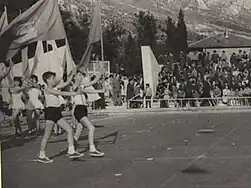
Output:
[[184, 103]]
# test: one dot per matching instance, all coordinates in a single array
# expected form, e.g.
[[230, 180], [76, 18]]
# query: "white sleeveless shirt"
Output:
[[80, 99], [52, 100]]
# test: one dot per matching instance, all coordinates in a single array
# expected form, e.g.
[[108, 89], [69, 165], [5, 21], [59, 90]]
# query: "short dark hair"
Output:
[[18, 79], [148, 85], [34, 77], [48, 75]]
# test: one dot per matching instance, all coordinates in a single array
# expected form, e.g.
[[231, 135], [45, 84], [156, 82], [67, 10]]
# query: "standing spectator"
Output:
[[215, 57], [137, 95], [123, 91], [207, 58], [107, 88], [148, 96], [206, 92], [245, 55], [239, 56], [249, 56], [130, 92], [226, 93], [223, 56], [233, 59], [116, 90], [125, 80], [217, 93]]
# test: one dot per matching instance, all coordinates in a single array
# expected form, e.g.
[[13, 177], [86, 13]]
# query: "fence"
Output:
[[184, 103]]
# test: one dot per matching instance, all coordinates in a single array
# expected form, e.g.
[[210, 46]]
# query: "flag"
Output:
[[25, 62], [40, 22], [94, 34], [64, 65], [4, 20]]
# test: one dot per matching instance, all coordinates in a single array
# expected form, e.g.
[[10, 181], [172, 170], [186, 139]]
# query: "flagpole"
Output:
[[101, 41]]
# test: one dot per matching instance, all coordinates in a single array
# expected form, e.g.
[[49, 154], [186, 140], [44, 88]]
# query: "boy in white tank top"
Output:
[[53, 115], [80, 112]]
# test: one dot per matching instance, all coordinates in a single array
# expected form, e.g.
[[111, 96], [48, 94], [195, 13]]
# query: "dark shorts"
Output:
[[80, 112], [53, 114]]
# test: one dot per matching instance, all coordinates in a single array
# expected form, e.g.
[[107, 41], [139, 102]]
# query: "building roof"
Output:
[[222, 41]]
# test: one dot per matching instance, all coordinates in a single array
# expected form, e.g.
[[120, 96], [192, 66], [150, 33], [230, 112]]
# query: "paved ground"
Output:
[[143, 151]]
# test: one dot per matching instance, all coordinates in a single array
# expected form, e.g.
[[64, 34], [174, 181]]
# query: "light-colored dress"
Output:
[[34, 94], [17, 103]]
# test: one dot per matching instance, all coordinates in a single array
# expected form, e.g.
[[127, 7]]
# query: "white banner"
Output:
[[151, 68]]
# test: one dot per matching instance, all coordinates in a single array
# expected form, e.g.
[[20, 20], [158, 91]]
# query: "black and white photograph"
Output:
[[125, 93]]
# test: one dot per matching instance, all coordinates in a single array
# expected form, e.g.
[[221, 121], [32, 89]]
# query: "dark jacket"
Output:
[[130, 91]]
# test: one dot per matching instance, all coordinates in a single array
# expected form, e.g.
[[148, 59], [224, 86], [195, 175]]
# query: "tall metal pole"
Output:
[[101, 30]]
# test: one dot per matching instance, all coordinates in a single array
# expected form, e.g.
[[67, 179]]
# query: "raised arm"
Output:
[[65, 84], [101, 72], [26, 86], [86, 90], [92, 82], [62, 93]]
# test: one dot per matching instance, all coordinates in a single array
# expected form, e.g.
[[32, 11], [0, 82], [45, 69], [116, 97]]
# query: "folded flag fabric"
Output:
[[40, 22], [3, 20], [94, 35]]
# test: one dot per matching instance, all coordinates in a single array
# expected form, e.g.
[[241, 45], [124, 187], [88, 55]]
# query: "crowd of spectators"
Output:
[[205, 75]]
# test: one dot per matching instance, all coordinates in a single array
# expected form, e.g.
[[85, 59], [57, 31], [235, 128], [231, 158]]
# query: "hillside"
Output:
[[202, 16]]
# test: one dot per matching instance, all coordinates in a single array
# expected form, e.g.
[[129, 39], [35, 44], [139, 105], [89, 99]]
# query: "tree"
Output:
[[146, 27], [113, 48], [132, 61], [77, 36], [170, 32], [182, 36]]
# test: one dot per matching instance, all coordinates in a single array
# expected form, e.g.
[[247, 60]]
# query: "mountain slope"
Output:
[[201, 15]]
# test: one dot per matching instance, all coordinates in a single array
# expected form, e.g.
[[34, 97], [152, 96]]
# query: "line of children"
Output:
[[53, 113], [28, 98]]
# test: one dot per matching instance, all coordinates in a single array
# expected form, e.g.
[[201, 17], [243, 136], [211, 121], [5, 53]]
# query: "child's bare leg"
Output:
[[64, 125], [85, 121], [16, 120], [47, 133]]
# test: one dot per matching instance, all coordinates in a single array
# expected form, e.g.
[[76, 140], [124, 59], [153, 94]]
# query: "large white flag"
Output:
[[151, 68]]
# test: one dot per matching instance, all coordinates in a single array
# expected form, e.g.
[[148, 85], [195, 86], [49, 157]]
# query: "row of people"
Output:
[[25, 95]]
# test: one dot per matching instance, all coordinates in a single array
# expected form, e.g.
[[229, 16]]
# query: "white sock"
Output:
[[75, 138], [42, 154], [92, 148], [71, 150]]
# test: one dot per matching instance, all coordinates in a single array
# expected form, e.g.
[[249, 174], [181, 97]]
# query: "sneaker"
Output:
[[96, 153], [75, 155], [45, 160]]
